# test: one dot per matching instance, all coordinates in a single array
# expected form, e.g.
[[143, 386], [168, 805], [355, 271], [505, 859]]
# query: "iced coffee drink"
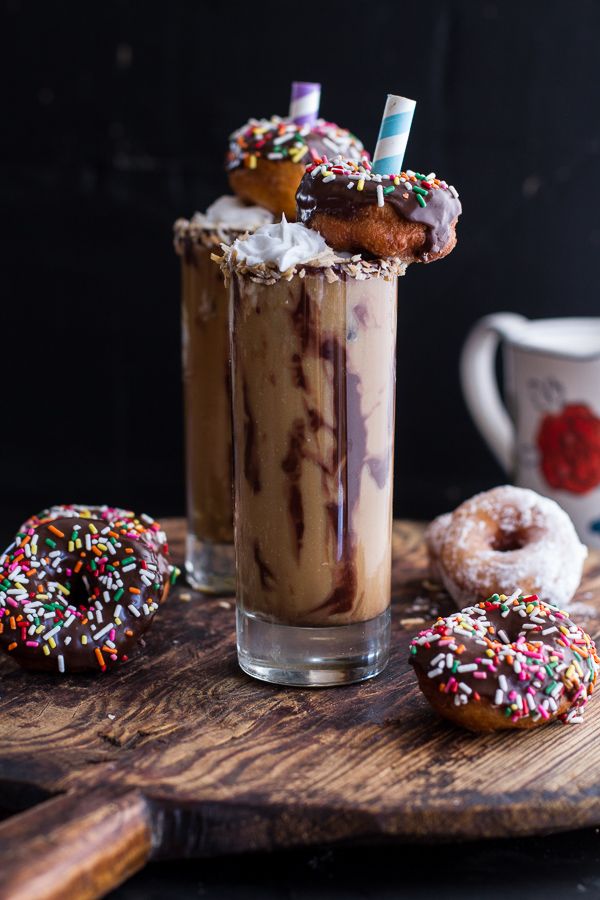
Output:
[[206, 381], [313, 328], [313, 361]]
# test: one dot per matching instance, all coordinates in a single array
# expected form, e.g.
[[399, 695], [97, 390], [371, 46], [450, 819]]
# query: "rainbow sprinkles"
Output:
[[79, 585], [278, 139], [518, 654], [359, 174]]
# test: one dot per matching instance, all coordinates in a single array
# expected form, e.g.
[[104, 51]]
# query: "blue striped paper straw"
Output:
[[393, 135], [304, 102]]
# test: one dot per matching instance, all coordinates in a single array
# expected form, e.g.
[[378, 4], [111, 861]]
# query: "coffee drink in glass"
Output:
[[313, 341], [206, 382]]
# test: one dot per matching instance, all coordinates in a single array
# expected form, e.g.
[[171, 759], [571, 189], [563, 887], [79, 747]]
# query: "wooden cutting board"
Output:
[[179, 754]]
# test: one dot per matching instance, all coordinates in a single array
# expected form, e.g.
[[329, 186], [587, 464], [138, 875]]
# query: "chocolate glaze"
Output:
[[292, 466], [251, 460], [333, 198], [533, 672], [331, 406], [349, 452], [102, 600], [379, 467], [343, 596], [298, 371], [267, 579], [315, 419], [304, 321], [350, 432], [361, 314]]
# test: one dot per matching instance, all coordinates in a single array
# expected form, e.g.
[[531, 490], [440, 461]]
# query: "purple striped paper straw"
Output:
[[304, 102]]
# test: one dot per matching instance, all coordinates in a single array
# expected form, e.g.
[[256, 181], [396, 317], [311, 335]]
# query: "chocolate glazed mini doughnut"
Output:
[[506, 536], [144, 527], [266, 159], [78, 590], [508, 662], [408, 216]]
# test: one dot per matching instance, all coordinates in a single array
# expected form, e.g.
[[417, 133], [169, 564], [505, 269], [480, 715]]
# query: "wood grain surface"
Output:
[[74, 847], [179, 753]]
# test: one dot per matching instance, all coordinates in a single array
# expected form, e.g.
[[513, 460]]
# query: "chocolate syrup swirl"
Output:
[[292, 466], [348, 456], [251, 461], [267, 579]]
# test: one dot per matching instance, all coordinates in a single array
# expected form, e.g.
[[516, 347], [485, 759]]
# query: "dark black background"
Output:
[[115, 117], [115, 120]]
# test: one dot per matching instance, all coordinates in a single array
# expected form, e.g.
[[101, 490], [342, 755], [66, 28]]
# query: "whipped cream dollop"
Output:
[[283, 244], [230, 212]]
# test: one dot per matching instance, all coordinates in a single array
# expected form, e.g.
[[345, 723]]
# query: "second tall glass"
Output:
[[207, 409], [210, 563]]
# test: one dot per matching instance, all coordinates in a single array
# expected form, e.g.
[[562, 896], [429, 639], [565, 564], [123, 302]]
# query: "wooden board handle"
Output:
[[74, 845]]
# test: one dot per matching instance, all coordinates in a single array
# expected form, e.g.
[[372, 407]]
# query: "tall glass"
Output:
[[313, 363], [207, 406]]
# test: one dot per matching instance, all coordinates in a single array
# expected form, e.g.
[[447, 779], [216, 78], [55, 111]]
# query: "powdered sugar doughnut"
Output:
[[503, 537]]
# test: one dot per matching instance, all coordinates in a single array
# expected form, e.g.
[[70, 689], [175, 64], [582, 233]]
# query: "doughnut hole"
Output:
[[506, 541], [485, 553]]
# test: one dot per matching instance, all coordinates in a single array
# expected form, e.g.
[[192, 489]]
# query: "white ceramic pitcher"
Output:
[[547, 437]]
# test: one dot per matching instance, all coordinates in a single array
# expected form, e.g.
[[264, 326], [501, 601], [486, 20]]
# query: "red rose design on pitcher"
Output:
[[569, 444]]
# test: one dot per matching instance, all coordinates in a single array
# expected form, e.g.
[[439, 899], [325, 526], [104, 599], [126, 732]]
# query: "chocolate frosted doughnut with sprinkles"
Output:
[[406, 215], [145, 527], [79, 586], [267, 157], [507, 662]]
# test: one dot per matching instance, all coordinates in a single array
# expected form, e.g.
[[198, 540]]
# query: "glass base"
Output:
[[210, 567], [315, 657]]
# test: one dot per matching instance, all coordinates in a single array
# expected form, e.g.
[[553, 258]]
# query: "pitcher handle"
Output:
[[480, 388]]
